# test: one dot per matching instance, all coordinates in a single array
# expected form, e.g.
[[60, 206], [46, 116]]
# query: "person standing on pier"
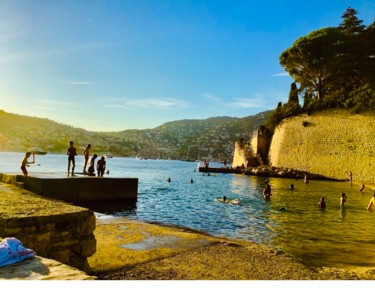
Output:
[[86, 153], [92, 165], [25, 163], [100, 166], [72, 152]]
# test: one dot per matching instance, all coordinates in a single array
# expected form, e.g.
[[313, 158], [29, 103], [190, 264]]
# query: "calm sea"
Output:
[[291, 221]]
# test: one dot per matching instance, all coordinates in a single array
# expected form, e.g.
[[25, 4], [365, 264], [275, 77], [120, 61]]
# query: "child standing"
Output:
[[25, 163]]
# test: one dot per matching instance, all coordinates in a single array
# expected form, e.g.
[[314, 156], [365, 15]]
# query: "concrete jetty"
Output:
[[220, 170], [76, 189]]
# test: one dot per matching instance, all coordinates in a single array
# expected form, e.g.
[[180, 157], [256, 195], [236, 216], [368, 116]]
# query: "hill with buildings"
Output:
[[212, 138]]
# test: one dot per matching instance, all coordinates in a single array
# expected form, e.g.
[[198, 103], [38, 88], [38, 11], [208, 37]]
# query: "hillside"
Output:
[[183, 139]]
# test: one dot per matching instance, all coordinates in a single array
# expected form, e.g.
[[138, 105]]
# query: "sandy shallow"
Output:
[[130, 250]]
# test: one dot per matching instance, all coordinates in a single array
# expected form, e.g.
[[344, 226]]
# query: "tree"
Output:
[[353, 50], [351, 25], [368, 51], [314, 60], [293, 94]]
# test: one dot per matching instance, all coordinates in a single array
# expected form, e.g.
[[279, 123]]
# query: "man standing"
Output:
[[86, 153], [72, 152]]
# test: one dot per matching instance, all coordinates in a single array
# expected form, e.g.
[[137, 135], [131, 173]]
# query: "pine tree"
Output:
[[351, 25]]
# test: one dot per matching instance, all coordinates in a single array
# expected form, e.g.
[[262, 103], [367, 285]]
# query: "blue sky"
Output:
[[115, 65]]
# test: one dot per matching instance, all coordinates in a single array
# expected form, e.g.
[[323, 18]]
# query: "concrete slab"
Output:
[[76, 189]]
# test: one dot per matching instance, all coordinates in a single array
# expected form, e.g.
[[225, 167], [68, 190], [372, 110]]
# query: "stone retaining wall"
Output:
[[53, 229], [330, 143]]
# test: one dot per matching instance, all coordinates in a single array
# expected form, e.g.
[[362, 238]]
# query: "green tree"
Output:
[[314, 60], [352, 55], [293, 94], [351, 25], [368, 62]]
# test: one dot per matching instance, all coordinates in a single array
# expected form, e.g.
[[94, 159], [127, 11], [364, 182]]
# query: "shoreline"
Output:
[[152, 251]]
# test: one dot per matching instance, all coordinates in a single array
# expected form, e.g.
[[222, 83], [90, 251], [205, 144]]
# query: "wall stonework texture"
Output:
[[330, 143]]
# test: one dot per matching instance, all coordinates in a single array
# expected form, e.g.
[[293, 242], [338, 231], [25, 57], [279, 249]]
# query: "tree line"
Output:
[[334, 68]]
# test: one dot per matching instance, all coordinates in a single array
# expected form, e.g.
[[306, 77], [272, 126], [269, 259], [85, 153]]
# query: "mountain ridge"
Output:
[[212, 137]]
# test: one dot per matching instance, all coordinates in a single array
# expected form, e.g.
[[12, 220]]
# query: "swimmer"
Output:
[[342, 199], [234, 201], [267, 192], [322, 204], [169, 180], [362, 187], [371, 204], [223, 199]]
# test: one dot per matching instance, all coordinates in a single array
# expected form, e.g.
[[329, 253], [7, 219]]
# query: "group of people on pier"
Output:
[[100, 165], [72, 153]]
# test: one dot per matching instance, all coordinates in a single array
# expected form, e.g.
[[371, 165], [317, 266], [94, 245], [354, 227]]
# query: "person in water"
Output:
[[371, 204], [322, 204], [231, 201], [342, 199], [362, 187], [25, 163], [267, 192], [223, 199]]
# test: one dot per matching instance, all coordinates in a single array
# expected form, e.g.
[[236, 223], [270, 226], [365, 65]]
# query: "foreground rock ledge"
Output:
[[39, 268]]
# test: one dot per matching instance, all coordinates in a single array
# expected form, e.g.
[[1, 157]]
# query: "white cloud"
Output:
[[80, 82], [281, 74], [155, 103], [211, 97], [245, 103], [118, 106], [152, 103]]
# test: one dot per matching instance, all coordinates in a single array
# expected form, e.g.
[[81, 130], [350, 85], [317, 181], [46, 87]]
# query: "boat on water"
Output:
[[36, 151]]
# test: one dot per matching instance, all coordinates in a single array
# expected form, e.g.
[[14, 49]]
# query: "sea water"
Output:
[[290, 221]]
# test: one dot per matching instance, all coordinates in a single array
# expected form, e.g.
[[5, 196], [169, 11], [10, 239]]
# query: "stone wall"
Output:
[[243, 155], [330, 143], [53, 229]]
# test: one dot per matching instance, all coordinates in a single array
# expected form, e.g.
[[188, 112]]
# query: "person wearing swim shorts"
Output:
[[72, 152]]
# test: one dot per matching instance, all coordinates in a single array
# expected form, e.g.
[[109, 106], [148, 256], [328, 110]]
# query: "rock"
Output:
[[39, 268]]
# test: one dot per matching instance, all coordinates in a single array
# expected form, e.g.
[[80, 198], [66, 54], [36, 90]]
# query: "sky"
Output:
[[135, 64]]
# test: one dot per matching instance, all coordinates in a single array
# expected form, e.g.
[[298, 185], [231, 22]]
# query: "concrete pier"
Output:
[[76, 189], [220, 170]]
